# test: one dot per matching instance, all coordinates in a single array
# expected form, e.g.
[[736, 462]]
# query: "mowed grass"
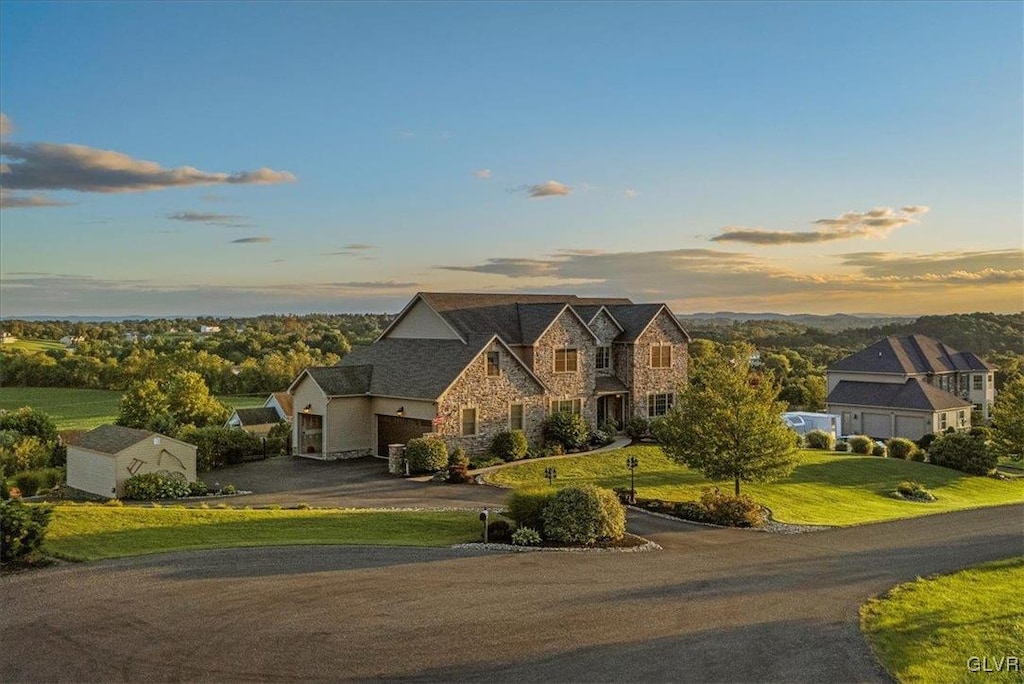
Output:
[[926, 630], [84, 409], [35, 345], [825, 489], [93, 532]]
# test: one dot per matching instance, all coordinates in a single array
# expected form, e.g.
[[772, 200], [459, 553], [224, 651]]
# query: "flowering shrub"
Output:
[[526, 536], [149, 486]]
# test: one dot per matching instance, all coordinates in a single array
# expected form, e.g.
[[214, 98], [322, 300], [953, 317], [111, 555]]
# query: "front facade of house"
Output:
[[467, 366], [101, 460], [909, 386]]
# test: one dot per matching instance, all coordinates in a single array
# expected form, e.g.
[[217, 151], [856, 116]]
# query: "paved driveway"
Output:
[[716, 605]]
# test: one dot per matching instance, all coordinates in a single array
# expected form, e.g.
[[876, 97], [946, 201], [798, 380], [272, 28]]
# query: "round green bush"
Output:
[[964, 452], [526, 507], [22, 528], [725, 509], [458, 458], [926, 440], [842, 446], [859, 444], [426, 455], [499, 532], [509, 445], [819, 439], [29, 482], [150, 486], [637, 428], [569, 430], [877, 450], [198, 488], [526, 536], [584, 514], [901, 448], [919, 455]]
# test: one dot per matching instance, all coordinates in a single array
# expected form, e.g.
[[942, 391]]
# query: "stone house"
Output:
[[467, 366], [909, 386], [101, 460]]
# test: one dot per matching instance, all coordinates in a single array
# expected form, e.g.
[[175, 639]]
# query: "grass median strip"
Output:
[[85, 533], [825, 489], [968, 626]]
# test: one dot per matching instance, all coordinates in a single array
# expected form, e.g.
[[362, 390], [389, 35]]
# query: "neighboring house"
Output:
[[209, 329], [467, 366], [70, 341], [7, 338], [102, 459], [259, 421], [909, 386]]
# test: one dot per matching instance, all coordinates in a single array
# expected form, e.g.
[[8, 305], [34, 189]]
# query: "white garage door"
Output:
[[877, 425], [911, 427]]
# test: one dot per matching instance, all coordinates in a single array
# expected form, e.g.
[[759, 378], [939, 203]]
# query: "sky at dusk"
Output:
[[242, 158]]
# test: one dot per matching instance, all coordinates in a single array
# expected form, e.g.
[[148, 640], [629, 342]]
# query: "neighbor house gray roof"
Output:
[[112, 439], [910, 355], [284, 400], [912, 394], [257, 416]]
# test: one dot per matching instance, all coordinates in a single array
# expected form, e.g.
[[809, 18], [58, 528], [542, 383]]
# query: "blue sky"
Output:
[[820, 157]]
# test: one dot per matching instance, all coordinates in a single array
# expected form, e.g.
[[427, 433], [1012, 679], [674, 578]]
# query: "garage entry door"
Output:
[[911, 428], [877, 425], [395, 430]]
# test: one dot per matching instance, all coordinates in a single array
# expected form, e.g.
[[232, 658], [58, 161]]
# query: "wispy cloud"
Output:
[[14, 200], [252, 240], [551, 188], [209, 218], [6, 126], [52, 166], [935, 264], [482, 173], [374, 285], [358, 246], [354, 249], [630, 193], [876, 223]]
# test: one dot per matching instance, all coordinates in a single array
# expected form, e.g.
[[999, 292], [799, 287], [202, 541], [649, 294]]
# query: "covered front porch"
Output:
[[612, 398]]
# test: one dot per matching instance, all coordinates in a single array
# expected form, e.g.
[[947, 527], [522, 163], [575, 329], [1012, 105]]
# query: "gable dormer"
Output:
[[418, 320]]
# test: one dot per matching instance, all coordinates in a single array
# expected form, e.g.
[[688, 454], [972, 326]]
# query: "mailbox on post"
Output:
[[483, 518]]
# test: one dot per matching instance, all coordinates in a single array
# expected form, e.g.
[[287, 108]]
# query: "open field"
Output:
[[928, 629], [84, 409], [92, 532], [34, 345], [825, 489]]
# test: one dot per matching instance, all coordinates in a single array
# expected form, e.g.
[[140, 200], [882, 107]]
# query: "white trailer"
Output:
[[803, 422]]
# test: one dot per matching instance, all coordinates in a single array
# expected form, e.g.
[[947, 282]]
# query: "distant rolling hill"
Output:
[[830, 322]]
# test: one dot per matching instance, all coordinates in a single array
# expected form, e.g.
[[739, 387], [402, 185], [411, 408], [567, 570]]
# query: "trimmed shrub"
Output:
[[22, 528], [901, 448], [690, 510], [842, 446], [926, 440], [964, 452], [526, 507], [526, 536], [458, 458], [509, 445], [426, 455], [909, 489], [819, 439], [114, 503], [150, 486], [28, 482], [859, 444], [229, 489], [458, 467], [637, 428], [981, 431], [499, 532], [919, 455], [570, 430], [877, 450], [732, 511], [584, 514], [198, 488], [278, 438]]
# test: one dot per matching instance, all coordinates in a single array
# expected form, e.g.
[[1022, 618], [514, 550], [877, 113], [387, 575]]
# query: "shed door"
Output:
[[911, 427], [395, 430], [877, 425]]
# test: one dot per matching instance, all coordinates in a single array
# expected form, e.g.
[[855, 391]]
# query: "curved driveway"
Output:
[[715, 605]]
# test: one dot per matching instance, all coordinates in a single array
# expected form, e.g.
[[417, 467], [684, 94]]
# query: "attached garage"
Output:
[[911, 427], [877, 425], [398, 430]]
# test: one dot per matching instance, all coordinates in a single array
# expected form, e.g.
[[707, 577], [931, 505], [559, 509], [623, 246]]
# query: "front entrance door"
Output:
[[609, 407], [396, 430]]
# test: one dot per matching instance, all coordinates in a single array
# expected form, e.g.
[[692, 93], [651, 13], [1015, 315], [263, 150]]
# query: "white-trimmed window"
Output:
[[942, 421], [515, 417], [468, 421], [961, 417], [978, 382], [659, 404], [661, 356], [566, 405], [565, 360], [603, 358], [493, 364]]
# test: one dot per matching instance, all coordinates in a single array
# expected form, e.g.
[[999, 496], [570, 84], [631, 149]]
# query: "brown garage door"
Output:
[[877, 425], [911, 428], [395, 430]]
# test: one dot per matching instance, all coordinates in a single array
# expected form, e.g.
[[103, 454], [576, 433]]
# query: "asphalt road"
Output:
[[715, 605]]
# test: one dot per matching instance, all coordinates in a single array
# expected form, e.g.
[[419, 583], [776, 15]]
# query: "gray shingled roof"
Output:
[[910, 355], [342, 381], [112, 439], [634, 319], [284, 400], [912, 394], [257, 416], [609, 384]]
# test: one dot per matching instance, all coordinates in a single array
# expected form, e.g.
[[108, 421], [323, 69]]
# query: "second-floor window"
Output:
[[661, 356], [565, 360], [978, 380], [515, 417], [659, 404], [493, 363], [603, 358], [566, 405]]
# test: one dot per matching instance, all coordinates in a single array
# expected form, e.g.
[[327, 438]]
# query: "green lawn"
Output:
[[95, 532], [84, 409], [825, 489], [35, 345], [926, 630]]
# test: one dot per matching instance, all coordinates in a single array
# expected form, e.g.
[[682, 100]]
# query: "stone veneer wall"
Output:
[[606, 330], [568, 331], [491, 397], [647, 380]]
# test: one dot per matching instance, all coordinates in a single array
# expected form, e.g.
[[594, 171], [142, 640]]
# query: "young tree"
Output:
[[727, 422], [142, 404], [190, 401], [1008, 420]]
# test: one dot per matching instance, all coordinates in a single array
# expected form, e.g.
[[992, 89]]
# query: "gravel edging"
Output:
[[771, 527], [647, 546]]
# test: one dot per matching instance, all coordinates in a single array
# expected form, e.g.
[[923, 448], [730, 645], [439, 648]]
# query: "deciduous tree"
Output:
[[1008, 420]]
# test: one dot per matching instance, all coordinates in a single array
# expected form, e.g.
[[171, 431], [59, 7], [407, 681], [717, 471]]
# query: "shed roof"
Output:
[[112, 439]]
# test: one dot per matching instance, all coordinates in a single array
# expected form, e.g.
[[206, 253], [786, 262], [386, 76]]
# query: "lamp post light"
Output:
[[632, 462], [551, 473]]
